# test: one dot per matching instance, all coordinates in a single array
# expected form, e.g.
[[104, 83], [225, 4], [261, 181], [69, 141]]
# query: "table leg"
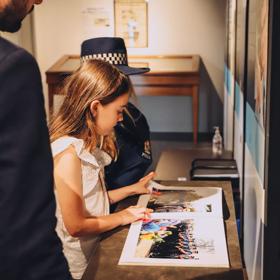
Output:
[[51, 93], [195, 113]]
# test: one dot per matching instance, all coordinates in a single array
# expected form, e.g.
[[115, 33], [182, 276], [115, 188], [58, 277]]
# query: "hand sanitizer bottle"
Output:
[[217, 142]]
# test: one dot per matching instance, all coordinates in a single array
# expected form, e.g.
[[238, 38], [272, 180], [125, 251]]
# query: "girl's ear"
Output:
[[93, 107]]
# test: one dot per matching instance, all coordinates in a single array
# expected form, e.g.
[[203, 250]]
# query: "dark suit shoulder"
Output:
[[20, 76], [6, 48], [10, 53]]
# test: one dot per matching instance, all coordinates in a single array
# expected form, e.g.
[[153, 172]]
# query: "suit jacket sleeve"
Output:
[[29, 246]]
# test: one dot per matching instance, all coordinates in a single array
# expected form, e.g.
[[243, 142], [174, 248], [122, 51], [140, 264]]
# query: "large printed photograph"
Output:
[[183, 240], [172, 239], [186, 228]]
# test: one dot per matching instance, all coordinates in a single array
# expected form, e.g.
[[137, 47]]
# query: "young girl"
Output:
[[82, 144]]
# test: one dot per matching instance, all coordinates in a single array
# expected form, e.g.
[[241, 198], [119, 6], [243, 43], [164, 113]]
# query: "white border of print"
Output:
[[207, 227]]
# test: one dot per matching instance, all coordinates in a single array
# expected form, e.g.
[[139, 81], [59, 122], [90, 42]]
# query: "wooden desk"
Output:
[[169, 75], [175, 164], [104, 263]]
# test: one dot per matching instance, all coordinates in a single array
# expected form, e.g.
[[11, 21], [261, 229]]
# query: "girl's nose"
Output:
[[120, 119]]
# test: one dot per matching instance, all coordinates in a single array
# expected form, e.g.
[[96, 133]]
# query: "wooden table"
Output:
[[175, 164], [169, 76], [104, 264]]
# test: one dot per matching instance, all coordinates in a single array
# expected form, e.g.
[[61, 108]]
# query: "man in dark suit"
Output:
[[29, 246]]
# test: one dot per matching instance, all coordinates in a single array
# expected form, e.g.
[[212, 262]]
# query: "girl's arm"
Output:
[[138, 188], [68, 181]]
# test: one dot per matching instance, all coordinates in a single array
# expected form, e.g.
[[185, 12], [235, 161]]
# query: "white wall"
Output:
[[175, 27]]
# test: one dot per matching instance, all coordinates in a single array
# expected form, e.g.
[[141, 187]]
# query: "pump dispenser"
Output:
[[217, 143]]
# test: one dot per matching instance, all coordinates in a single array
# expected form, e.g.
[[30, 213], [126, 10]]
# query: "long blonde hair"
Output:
[[94, 80]]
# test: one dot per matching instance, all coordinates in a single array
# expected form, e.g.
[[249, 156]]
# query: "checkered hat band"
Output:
[[113, 58]]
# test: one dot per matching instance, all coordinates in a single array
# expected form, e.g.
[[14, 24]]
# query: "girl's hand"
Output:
[[134, 213], [142, 185]]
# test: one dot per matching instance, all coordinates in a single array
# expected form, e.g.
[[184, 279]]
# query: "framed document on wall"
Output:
[[131, 22]]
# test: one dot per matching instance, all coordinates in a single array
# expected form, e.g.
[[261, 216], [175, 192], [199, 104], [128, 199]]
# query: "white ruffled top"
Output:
[[78, 250]]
